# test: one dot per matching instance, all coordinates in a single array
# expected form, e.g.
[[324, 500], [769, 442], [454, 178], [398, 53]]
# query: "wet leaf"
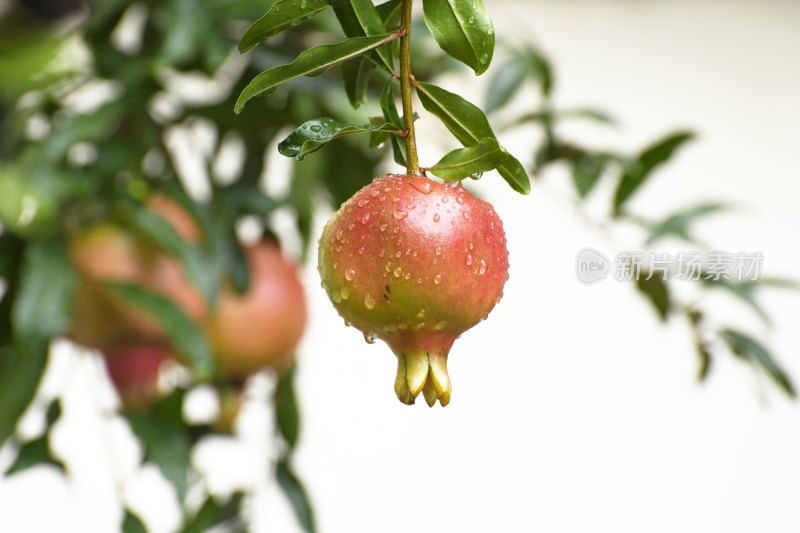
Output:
[[463, 30], [283, 15], [468, 162], [316, 133]]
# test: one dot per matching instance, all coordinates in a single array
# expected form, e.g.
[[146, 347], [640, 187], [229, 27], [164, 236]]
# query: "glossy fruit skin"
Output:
[[134, 371], [415, 263], [262, 327]]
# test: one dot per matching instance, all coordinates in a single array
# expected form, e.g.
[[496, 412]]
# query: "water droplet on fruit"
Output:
[[347, 323], [398, 254], [361, 251], [438, 250], [388, 266], [381, 254], [440, 325], [436, 217], [339, 235], [445, 199], [469, 259], [369, 302], [362, 203], [483, 267], [398, 272], [344, 293], [422, 313], [365, 219], [470, 246], [350, 274], [438, 279], [423, 186], [391, 328], [459, 199], [399, 215], [407, 276], [402, 326], [465, 215], [374, 194], [370, 337], [383, 227], [336, 297], [323, 285], [419, 281]]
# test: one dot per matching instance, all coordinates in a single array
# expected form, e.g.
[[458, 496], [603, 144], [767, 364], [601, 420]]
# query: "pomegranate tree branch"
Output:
[[412, 159]]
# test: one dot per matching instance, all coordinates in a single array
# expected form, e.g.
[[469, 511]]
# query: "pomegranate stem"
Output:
[[412, 159]]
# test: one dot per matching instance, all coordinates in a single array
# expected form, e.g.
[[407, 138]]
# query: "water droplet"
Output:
[[339, 235], [419, 281], [338, 248], [438, 250], [407, 276], [398, 272], [388, 266], [370, 337], [422, 185], [422, 313], [507, 276], [471, 19], [336, 297], [350, 274], [374, 194], [485, 58], [399, 215], [365, 219], [315, 128], [361, 251], [383, 227], [445, 199], [438, 279], [402, 326], [362, 203], [395, 200], [323, 285], [369, 302], [483, 267], [381, 254], [391, 328], [436, 217], [397, 230], [470, 246], [469, 259], [344, 293], [398, 254], [336, 266], [347, 323], [477, 175], [490, 31], [465, 215], [440, 325], [459, 199]]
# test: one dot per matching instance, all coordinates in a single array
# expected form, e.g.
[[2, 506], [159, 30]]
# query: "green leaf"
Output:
[[213, 514], [467, 162], [286, 411], [312, 61], [185, 337], [389, 108], [678, 224], [42, 308], [640, 168], [754, 352], [359, 18], [463, 30], [506, 82], [194, 260], [19, 379], [33, 453], [167, 445], [316, 133], [132, 523], [283, 15], [470, 126], [586, 172], [356, 74], [704, 353], [390, 13], [297, 496], [656, 291]]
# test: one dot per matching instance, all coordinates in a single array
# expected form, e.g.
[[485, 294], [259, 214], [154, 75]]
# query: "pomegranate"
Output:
[[261, 328], [415, 263], [134, 371]]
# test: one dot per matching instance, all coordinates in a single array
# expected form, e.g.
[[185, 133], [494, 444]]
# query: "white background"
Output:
[[573, 409]]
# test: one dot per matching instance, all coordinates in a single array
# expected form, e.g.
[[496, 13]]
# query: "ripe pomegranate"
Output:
[[109, 252], [134, 371], [262, 327], [415, 263]]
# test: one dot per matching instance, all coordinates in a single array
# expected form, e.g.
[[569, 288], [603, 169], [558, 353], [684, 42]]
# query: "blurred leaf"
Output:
[[19, 379], [656, 291], [677, 224], [34, 453], [312, 61], [316, 133], [166, 442], [132, 523], [356, 74], [283, 15], [42, 308], [510, 77], [359, 18], [185, 337], [389, 108], [755, 353], [297, 496], [744, 290], [467, 162], [463, 30], [469, 125], [193, 259], [586, 172], [286, 411], [213, 514], [704, 353], [594, 115], [390, 13], [640, 169]]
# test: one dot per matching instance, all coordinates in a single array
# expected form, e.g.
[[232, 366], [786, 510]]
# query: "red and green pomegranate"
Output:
[[415, 263]]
